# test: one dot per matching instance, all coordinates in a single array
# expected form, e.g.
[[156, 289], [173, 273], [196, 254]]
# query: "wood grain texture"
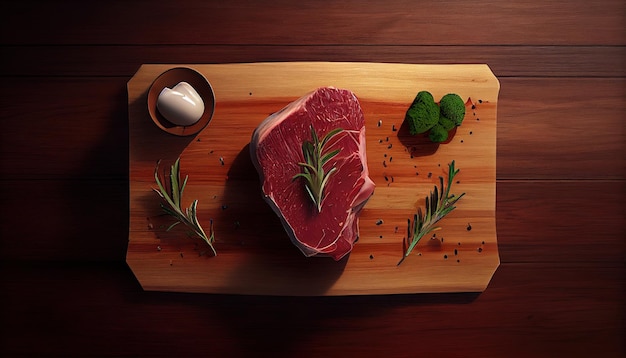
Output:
[[256, 256], [536, 22], [561, 221], [76, 128], [504, 61], [525, 213], [532, 141], [543, 310], [574, 130], [559, 205]]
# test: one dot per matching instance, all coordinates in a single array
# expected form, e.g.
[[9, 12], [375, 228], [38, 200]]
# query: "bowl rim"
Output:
[[187, 74]]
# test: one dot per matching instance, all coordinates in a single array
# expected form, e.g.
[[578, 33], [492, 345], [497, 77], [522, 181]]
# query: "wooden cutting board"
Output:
[[255, 256]]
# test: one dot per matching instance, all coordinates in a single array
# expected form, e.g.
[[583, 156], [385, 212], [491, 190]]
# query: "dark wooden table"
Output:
[[65, 287]]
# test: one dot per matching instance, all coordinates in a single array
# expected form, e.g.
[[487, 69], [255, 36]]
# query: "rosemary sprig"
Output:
[[172, 206], [440, 204], [313, 172]]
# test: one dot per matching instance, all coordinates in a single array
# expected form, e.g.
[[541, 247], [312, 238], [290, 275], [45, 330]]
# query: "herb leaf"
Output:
[[172, 204], [439, 204], [313, 171]]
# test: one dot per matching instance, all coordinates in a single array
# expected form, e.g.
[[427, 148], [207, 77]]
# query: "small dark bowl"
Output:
[[171, 78]]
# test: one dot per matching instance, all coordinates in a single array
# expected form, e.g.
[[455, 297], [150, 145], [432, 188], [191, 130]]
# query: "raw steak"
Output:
[[276, 150]]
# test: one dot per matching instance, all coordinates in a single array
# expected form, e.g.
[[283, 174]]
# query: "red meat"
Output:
[[276, 150]]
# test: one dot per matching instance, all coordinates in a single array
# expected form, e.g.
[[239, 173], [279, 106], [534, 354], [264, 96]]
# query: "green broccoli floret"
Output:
[[438, 134], [446, 123], [423, 113], [452, 107]]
